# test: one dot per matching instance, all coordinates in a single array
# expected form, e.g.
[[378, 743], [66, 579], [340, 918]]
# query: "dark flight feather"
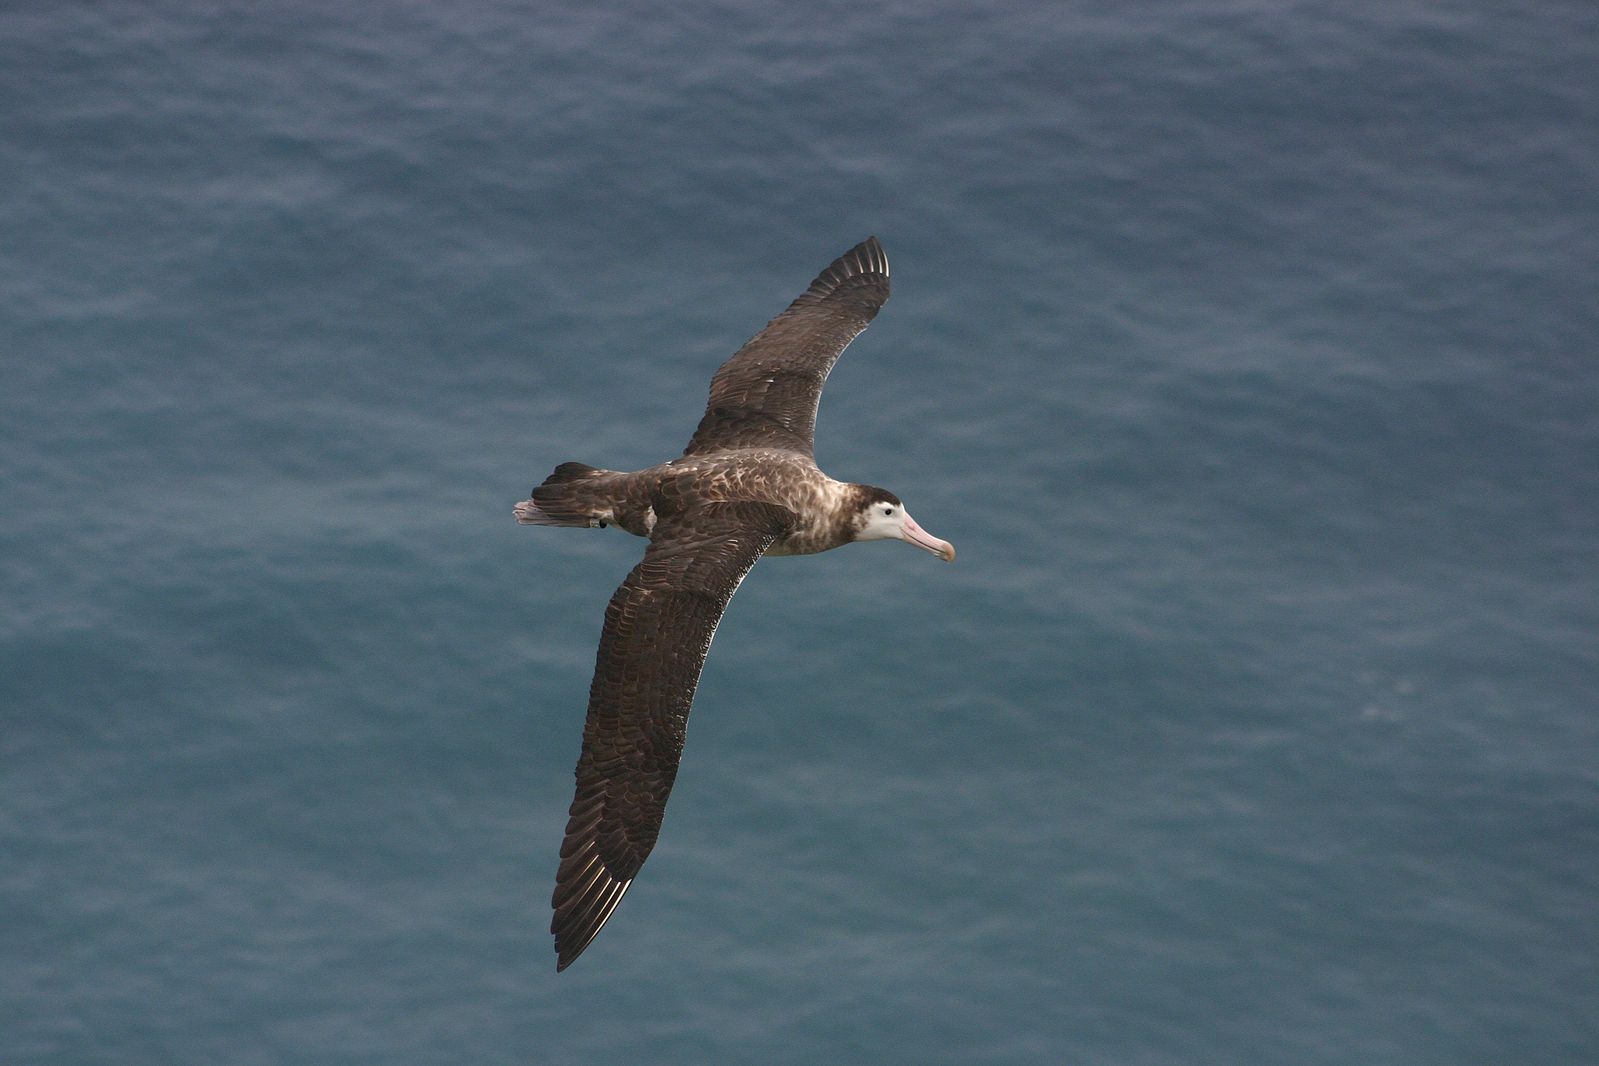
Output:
[[658, 629], [767, 393]]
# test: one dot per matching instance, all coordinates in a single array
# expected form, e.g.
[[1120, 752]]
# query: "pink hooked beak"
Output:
[[912, 533]]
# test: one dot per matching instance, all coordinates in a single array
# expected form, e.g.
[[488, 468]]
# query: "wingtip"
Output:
[[868, 257], [579, 919], [866, 260]]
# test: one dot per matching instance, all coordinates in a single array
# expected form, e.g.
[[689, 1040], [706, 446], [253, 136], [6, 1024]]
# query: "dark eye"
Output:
[[888, 510]]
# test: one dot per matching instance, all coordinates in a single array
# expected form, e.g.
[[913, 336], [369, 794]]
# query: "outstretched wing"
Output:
[[658, 628], [768, 391]]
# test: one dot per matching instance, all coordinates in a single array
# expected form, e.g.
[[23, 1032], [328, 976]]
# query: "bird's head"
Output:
[[880, 516]]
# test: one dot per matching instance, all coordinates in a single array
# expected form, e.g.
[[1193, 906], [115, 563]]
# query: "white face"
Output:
[[881, 521], [888, 521]]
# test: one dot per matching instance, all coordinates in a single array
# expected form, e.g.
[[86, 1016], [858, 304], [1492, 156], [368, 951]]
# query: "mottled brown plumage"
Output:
[[747, 485]]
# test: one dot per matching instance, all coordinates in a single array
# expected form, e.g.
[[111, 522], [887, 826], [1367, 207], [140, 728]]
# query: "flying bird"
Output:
[[747, 485]]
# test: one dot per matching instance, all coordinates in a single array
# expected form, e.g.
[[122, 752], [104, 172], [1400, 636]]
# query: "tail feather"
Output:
[[571, 472], [564, 500], [529, 513]]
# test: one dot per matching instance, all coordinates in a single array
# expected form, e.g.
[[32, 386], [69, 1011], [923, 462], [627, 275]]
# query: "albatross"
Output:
[[746, 486]]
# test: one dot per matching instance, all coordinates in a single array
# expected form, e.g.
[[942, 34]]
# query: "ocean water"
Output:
[[1247, 352]]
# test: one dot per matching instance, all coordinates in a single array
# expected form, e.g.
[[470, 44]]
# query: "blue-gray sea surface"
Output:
[[1249, 353]]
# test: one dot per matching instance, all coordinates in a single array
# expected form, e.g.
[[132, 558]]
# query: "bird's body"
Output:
[[746, 486], [823, 510]]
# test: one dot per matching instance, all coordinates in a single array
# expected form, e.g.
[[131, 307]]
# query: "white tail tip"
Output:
[[530, 513]]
